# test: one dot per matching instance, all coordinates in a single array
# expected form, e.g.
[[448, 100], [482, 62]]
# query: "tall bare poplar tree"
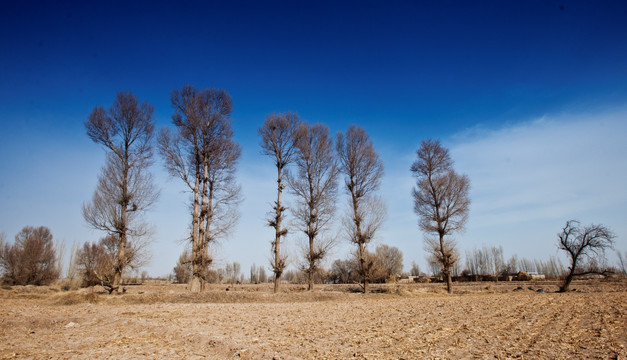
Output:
[[441, 202], [363, 169], [203, 154], [278, 135], [125, 189], [315, 184]]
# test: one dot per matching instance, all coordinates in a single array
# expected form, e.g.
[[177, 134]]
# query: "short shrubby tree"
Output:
[[583, 245]]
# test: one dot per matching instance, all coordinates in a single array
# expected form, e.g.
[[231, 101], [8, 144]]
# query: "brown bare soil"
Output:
[[409, 321]]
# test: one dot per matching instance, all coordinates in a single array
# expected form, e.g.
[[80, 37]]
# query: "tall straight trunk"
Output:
[[362, 265], [446, 265], [196, 285], [360, 242], [311, 234], [208, 218], [312, 264], [121, 256], [278, 231]]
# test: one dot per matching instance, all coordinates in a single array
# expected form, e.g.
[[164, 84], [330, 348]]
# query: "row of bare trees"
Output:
[[201, 152], [287, 140]]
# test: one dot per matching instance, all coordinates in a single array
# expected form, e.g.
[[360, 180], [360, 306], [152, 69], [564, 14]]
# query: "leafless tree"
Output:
[[362, 169], [487, 261], [72, 269], [96, 262], [204, 156], [583, 246], [279, 135], [315, 185], [125, 189], [344, 271], [31, 260], [391, 262], [415, 269], [183, 269], [441, 202]]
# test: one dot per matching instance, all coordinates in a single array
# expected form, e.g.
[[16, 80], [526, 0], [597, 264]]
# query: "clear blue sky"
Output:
[[530, 96]]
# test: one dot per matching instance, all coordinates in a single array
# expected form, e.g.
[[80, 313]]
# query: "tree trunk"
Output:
[[449, 281], [312, 259], [196, 284], [277, 239], [446, 265], [121, 259], [117, 273], [571, 272], [565, 287], [311, 281], [362, 263]]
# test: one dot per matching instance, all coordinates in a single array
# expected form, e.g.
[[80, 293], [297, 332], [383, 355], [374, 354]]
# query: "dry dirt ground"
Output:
[[480, 320]]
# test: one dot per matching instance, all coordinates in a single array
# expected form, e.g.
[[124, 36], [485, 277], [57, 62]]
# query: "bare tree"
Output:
[[315, 185], [261, 274], [279, 134], [125, 189], [344, 271], [485, 262], [96, 262], [415, 269], [441, 202], [583, 245], [362, 168], [31, 260], [391, 261], [203, 154], [183, 269]]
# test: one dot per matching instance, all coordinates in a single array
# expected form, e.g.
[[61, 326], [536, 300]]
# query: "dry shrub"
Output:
[[75, 298], [523, 276]]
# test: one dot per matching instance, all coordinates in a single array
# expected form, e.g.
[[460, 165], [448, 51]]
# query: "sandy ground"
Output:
[[483, 321]]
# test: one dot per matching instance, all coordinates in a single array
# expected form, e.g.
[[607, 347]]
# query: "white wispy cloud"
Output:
[[528, 179]]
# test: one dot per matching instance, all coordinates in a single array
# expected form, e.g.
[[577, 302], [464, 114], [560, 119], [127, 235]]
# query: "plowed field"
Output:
[[481, 320]]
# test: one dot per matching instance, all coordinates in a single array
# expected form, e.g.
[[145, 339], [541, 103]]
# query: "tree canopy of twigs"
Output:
[[315, 185], [279, 134], [202, 153], [584, 246], [362, 169], [441, 202], [125, 188], [31, 260]]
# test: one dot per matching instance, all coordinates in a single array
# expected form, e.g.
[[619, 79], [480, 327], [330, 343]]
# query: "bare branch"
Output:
[[441, 202], [363, 169]]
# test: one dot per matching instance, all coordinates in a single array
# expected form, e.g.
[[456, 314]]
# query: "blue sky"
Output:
[[530, 96]]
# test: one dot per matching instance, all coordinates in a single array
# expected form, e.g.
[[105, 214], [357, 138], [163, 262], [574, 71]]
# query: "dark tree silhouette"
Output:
[[584, 245]]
